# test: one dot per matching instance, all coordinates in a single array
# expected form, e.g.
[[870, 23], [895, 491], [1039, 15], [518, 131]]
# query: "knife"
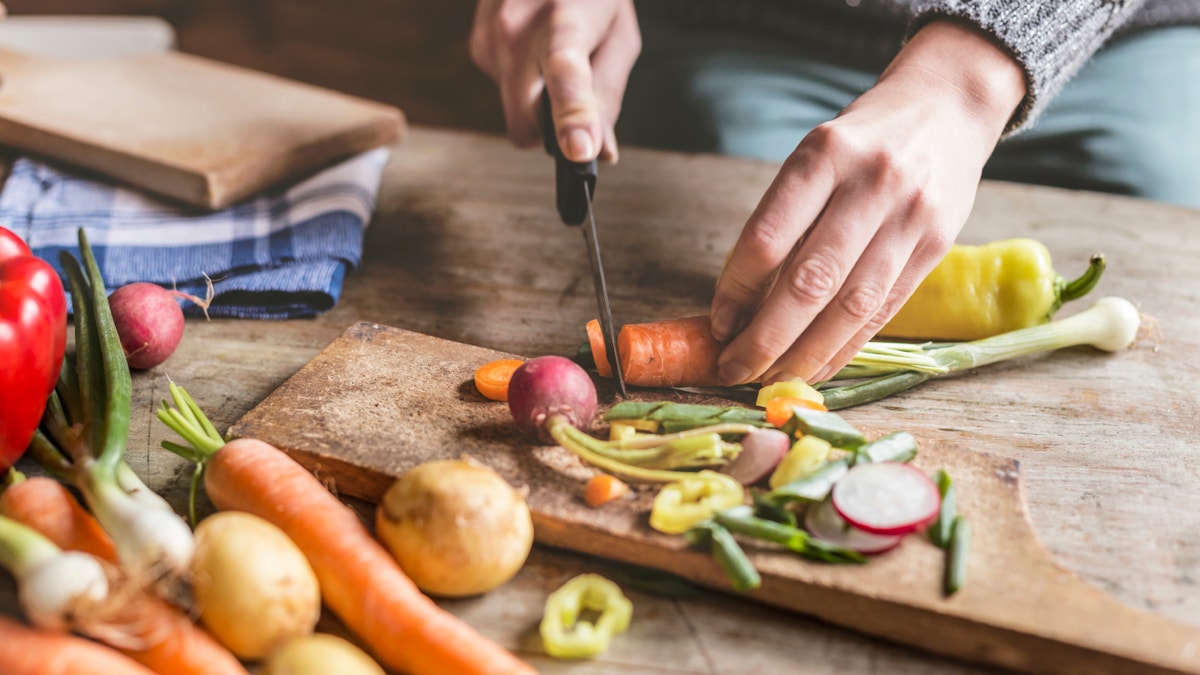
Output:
[[574, 185]]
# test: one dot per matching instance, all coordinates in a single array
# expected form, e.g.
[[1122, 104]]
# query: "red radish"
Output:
[[823, 522], [762, 451], [550, 387], [886, 498], [149, 321]]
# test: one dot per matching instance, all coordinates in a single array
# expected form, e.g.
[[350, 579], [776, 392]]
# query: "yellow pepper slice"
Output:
[[804, 457], [980, 291], [681, 504], [565, 635]]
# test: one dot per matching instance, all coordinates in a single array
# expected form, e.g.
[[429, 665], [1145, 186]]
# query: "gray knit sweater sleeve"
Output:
[[1050, 39]]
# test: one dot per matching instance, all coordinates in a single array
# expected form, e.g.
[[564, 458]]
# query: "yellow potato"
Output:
[[320, 654]]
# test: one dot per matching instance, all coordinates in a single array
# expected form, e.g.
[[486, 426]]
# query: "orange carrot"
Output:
[[147, 629], [46, 505], [29, 651], [599, 352], [602, 489], [671, 353], [360, 581], [491, 379], [779, 409]]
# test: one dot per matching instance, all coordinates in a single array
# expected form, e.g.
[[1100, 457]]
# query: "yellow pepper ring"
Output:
[[682, 504], [980, 291], [565, 635]]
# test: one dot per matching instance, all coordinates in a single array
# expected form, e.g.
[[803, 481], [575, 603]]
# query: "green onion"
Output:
[[1110, 324]]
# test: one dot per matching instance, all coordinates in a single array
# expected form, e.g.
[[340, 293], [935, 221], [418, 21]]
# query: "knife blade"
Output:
[[575, 183]]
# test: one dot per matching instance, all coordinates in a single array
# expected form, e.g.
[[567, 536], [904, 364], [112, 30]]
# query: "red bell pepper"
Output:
[[33, 338]]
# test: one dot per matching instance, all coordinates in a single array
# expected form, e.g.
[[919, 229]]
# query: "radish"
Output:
[[886, 498], [762, 450], [823, 522], [548, 391], [149, 321]]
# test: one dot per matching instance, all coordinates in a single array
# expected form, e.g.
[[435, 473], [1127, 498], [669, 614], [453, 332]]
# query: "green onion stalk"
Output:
[[652, 457], [885, 368], [84, 431]]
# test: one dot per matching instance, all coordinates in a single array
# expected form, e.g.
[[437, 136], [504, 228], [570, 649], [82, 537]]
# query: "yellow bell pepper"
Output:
[[980, 291]]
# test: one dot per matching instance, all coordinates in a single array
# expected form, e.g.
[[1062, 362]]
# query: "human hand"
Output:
[[863, 210], [581, 51]]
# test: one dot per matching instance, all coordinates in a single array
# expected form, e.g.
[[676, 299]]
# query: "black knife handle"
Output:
[[569, 177]]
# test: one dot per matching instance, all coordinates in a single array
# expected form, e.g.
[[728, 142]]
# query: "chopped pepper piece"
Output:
[[565, 635], [681, 504]]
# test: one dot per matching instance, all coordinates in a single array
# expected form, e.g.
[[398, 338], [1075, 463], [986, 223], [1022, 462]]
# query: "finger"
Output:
[[807, 284], [872, 293], [611, 64], [480, 45], [512, 30], [567, 70], [520, 88], [783, 216]]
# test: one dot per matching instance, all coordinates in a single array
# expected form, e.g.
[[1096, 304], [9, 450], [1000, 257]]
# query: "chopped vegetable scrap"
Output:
[[492, 378], [567, 634], [602, 489], [980, 291], [683, 503]]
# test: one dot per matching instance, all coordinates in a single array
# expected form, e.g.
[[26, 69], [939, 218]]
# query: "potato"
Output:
[[252, 585], [456, 527], [320, 654]]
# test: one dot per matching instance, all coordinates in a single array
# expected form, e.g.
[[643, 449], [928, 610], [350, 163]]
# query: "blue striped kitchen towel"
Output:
[[281, 255]]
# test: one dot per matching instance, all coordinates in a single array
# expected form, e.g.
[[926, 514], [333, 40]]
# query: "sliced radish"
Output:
[[886, 498], [823, 522], [762, 450]]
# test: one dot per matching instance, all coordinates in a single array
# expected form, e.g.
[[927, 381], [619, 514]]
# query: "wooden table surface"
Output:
[[466, 246]]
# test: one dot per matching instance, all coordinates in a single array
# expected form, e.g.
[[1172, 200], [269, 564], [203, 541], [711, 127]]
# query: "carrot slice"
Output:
[[599, 352], [491, 379], [779, 409], [671, 353], [602, 489]]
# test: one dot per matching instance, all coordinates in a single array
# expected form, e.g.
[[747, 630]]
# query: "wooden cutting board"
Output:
[[184, 127], [380, 400]]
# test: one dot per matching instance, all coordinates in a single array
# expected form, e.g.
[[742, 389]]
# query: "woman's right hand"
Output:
[[580, 51]]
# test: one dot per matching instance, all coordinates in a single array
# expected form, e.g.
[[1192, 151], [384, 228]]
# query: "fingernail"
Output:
[[823, 374], [579, 146], [732, 373], [723, 318]]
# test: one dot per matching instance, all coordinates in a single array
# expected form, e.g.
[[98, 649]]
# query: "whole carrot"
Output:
[[46, 505], [29, 651], [359, 579], [671, 353], [145, 628]]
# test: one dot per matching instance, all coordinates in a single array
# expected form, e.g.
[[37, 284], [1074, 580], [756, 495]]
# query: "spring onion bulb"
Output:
[[55, 588], [1110, 324]]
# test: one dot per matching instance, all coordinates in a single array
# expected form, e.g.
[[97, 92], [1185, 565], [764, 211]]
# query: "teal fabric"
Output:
[[1128, 123]]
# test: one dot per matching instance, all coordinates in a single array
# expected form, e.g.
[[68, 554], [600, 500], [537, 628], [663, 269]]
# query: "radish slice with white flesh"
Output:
[[762, 450], [886, 498], [823, 523]]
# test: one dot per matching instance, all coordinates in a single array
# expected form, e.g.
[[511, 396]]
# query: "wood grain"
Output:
[[184, 127]]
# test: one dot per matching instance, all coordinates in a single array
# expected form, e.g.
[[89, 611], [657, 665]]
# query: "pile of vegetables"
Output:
[[124, 569]]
